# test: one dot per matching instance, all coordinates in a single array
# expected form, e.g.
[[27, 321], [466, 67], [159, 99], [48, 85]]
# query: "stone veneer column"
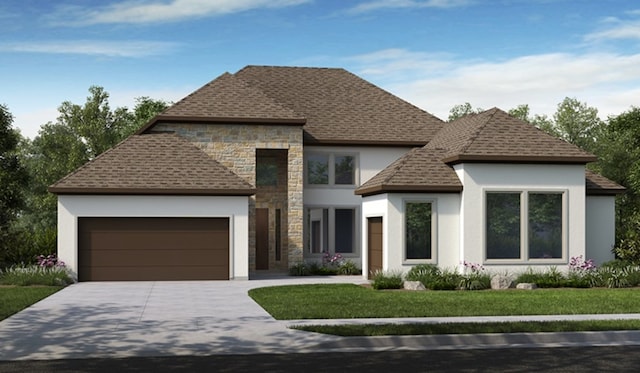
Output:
[[234, 146]]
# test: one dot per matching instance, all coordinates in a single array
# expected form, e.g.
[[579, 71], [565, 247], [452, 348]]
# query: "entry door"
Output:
[[262, 238], [374, 235]]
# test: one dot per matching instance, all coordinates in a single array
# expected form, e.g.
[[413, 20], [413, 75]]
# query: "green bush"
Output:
[[348, 268], [447, 280], [551, 278], [299, 269], [387, 280], [35, 275]]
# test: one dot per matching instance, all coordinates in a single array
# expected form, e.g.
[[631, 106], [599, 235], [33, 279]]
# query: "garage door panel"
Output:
[[177, 257], [150, 249], [149, 273], [163, 240]]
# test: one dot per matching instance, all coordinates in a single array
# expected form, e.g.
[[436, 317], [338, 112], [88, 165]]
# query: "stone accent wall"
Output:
[[234, 146]]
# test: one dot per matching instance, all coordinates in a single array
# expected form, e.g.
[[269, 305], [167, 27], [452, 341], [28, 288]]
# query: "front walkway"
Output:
[[124, 319]]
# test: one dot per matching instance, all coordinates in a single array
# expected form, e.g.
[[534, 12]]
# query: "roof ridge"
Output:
[[474, 136]]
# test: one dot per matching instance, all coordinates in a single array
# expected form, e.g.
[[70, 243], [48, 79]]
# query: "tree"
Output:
[[459, 111], [80, 133], [13, 180], [577, 123]]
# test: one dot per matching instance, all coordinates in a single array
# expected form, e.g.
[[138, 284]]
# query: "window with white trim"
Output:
[[419, 227], [330, 169], [331, 230], [525, 225]]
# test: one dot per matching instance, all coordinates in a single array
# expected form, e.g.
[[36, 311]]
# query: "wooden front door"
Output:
[[262, 238], [374, 238]]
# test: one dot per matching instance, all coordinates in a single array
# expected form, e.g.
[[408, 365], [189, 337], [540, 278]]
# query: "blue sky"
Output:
[[432, 53]]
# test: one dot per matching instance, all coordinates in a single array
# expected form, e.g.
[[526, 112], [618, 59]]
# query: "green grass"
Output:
[[471, 328], [15, 299], [344, 301]]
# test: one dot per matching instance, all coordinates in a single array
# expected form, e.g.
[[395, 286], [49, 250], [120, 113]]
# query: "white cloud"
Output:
[[606, 81], [93, 47], [617, 29], [369, 6], [136, 12]]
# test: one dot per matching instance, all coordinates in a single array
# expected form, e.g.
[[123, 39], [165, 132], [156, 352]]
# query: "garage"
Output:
[[153, 248]]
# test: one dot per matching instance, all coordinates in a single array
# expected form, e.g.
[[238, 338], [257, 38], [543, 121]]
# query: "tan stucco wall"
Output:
[[234, 146]]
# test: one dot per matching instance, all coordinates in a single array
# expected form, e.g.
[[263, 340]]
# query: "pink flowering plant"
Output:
[[582, 273], [475, 277], [49, 261], [331, 260]]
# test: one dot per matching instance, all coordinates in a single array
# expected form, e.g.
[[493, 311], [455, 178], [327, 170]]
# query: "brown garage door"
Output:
[[152, 249]]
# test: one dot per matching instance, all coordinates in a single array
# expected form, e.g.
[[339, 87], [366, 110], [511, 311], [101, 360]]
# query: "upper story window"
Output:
[[266, 172], [330, 169], [525, 225]]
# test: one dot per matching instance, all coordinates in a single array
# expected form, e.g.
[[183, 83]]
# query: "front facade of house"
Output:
[[273, 166]]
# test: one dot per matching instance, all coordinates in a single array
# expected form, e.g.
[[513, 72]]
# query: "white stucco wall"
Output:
[[71, 207], [601, 228], [479, 178], [391, 208], [370, 161]]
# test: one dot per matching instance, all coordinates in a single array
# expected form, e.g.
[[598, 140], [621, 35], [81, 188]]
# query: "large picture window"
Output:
[[331, 230], [539, 215], [418, 230], [330, 169]]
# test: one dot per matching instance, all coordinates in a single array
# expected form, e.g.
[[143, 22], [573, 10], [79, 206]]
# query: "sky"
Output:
[[432, 53]]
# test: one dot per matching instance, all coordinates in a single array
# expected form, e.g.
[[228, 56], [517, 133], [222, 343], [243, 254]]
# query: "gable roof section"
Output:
[[420, 170], [335, 106], [598, 185], [228, 99], [495, 136], [154, 164]]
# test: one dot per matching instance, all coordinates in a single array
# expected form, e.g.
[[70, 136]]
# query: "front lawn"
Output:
[[15, 299], [344, 301]]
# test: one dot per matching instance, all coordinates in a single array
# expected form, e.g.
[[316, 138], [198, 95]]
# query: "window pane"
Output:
[[318, 169], [545, 225], [318, 230], [344, 169], [345, 230], [418, 230], [266, 172], [503, 225]]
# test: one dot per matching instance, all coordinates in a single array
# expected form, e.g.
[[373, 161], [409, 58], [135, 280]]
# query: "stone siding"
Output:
[[234, 146]]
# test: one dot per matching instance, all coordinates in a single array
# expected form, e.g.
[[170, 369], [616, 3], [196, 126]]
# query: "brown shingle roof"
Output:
[[159, 164], [495, 136], [597, 184], [420, 170], [228, 98], [338, 106]]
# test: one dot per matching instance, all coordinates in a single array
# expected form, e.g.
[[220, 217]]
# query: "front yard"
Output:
[[16, 298]]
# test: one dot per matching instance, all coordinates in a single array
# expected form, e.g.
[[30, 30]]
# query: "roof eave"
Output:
[[462, 158], [152, 192], [605, 192], [381, 189]]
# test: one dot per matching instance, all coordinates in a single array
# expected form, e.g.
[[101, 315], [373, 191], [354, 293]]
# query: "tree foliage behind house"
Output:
[[79, 134]]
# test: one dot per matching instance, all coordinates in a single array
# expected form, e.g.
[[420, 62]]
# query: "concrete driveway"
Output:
[[197, 318], [121, 319]]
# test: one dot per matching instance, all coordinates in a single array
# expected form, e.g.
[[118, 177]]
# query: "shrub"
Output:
[[299, 269], [425, 273], [446, 280], [348, 268], [35, 275], [387, 280], [551, 278], [582, 273]]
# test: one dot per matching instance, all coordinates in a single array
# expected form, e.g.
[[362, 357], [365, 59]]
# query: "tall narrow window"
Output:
[[503, 225], [278, 234], [345, 225], [319, 230], [344, 169], [418, 230], [545, 225]]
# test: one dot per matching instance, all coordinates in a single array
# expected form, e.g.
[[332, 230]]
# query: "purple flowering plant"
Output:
[[578, 264], [328, 259], [49, 261]]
